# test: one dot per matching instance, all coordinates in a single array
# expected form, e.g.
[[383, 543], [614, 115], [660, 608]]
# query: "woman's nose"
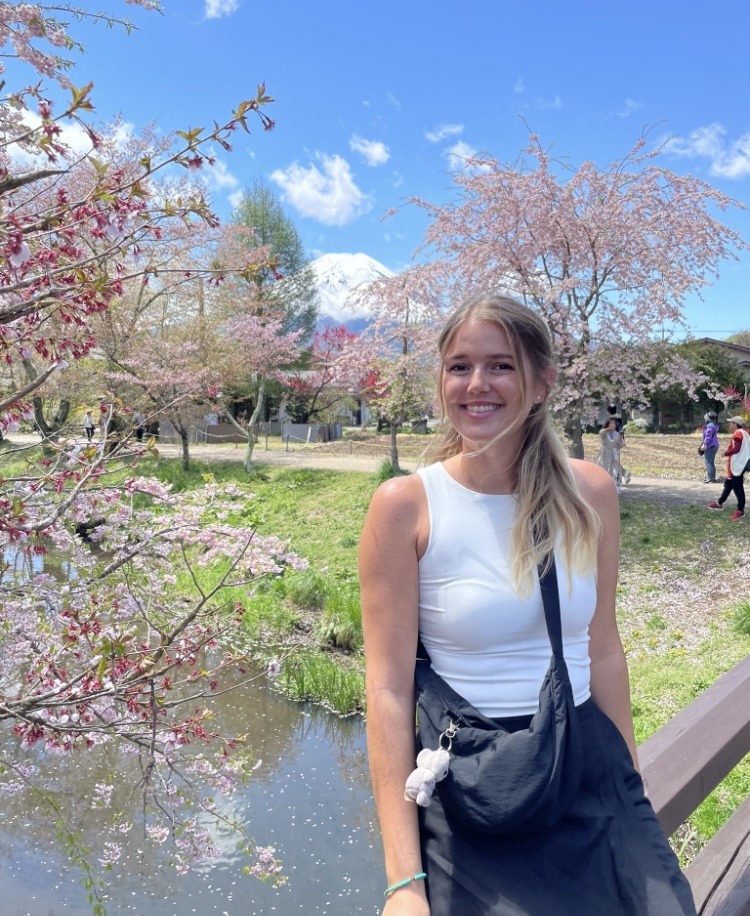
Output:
[[478, 380]]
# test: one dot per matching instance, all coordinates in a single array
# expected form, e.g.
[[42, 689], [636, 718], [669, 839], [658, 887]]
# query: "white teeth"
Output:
[[484, 408]]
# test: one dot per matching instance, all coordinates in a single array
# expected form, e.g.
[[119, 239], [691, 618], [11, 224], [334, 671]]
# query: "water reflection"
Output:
[[18, 566], [310, 799]]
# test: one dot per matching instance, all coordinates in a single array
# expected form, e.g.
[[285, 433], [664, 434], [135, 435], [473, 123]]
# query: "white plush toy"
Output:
[[432, 766]]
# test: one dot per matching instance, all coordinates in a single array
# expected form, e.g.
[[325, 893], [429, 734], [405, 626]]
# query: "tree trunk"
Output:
[[394, 448], [255, 418], [185, 449], [249, 466], [49, 430], [574, 435]]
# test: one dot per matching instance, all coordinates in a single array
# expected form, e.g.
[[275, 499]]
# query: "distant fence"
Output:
[[311, 432], [217, 433]]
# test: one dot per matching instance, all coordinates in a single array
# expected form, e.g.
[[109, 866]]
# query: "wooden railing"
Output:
[[682, 764]]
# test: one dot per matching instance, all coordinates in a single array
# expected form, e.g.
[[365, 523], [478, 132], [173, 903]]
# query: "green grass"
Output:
[[386, 471], [741, 618], [659, 536], [341, 626], [313, 617], [308, 676]]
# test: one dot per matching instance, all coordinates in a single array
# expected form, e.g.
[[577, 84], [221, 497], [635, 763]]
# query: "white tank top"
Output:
[[488, 643]]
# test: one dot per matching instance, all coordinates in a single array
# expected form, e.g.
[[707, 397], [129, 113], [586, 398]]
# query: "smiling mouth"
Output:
[[481, 408]]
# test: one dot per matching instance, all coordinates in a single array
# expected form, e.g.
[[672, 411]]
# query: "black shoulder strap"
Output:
[[551, 601]]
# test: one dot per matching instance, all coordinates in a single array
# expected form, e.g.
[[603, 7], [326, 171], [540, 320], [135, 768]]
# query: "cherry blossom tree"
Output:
[[117, 628], [315, 387], [607, 255], [392, 362], [256, 341], [741, 398], [253, 320]]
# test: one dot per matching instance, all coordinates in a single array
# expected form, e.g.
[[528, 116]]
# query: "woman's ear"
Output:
[[549, 377]]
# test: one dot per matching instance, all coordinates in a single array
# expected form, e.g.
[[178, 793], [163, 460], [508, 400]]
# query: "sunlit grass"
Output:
[[313, 617]]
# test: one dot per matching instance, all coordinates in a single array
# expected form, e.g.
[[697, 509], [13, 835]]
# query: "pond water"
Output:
[[310, 799]]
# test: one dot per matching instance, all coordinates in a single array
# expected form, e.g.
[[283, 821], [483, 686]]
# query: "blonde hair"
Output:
[[551, 512]]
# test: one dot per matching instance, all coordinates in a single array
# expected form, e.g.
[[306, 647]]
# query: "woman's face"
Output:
[[481, 384]]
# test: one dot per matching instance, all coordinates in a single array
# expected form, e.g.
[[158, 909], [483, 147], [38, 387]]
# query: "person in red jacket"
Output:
[[738, 457]]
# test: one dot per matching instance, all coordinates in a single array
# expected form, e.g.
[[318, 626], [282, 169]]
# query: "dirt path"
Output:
[[651, 488]]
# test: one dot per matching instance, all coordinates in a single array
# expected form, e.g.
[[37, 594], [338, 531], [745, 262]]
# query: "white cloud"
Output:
[[215, 9], [218, 176], [235, 198], [374, 152], [547, 103], [328, 194], [725, 160], [519, 85], [72, 136], [630, 107], [443, 131], [394, 101], [457, 156]]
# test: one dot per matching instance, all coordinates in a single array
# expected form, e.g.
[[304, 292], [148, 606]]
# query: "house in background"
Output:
[[737, 351], [672, 413]]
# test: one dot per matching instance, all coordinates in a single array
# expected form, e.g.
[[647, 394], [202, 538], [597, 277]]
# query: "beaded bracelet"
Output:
[[399, 884]]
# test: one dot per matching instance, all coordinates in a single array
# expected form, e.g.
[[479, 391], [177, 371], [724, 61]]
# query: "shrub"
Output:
[[386, 471], [308, 589], [341, 625], [741, 618]]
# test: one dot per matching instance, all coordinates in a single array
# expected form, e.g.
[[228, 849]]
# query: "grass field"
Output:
[[681, 607]]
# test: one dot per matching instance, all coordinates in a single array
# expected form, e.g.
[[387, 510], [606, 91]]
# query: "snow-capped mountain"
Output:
[[337, 275]]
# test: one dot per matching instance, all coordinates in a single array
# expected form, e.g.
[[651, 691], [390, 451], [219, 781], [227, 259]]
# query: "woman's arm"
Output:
[[388, 559], [610, 684]]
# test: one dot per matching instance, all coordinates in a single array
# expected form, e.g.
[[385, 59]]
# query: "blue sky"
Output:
[[373, 100]]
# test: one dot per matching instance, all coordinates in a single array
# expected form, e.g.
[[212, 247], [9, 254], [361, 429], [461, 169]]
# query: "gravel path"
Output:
[[688, 492]]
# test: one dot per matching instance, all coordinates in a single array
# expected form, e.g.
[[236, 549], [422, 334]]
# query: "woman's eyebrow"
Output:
[[487, 356]]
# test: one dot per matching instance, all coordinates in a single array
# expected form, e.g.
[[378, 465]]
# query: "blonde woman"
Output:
[[449, 556]]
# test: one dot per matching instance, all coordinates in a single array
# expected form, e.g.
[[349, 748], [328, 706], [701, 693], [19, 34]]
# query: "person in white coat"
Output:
[[738, 457]]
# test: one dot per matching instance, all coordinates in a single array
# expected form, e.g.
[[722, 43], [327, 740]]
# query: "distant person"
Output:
[[621, 474], [710, 446], [609, 457], [89, 425], [614, 415], [738, 458], [140, 426]]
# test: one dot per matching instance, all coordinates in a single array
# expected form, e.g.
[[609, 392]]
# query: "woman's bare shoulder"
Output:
[[398, 498], [594, 483]]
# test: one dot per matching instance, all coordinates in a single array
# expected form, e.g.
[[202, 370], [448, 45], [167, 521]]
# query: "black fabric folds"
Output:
[[606, 856], [501, 781]]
